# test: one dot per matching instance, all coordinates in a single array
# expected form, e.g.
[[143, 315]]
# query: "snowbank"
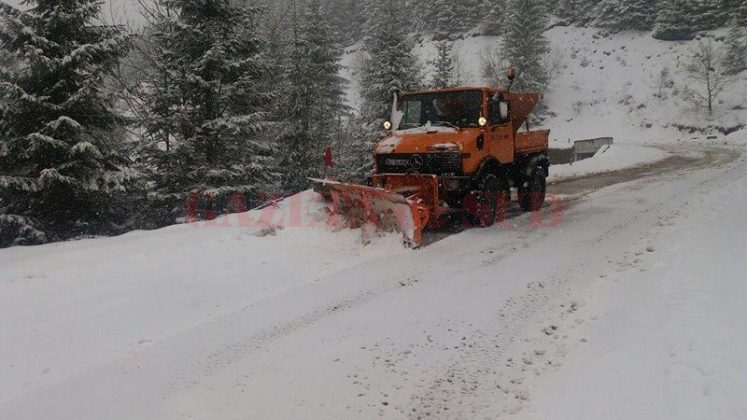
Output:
[[613, 158], [738, 137], [150, 285]]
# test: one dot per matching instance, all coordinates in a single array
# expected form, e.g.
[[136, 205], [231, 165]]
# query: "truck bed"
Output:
[[532, 141]]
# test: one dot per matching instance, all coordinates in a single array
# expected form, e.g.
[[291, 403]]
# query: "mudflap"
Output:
[[355, 206]]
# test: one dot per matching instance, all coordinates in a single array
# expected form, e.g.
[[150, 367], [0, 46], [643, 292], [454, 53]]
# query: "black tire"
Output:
[[488, 203], [532, 194]]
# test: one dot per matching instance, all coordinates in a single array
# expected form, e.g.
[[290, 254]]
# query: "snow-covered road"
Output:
[[625, 302]]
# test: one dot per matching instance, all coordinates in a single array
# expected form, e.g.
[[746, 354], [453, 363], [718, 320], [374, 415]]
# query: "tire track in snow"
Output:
[[492, 369]]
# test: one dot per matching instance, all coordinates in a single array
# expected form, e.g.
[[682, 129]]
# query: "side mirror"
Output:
[[397, 115]]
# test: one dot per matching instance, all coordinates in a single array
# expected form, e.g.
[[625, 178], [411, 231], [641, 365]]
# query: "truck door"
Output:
[[500, 134]]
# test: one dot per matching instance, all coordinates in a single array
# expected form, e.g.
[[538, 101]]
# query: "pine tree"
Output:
[[7, 64], [415, 17], [477, 12], [318, 100], [740, 13], [466, 15], [390, 66], [206, 106], [443, 66], [566, 10], [674, 21], [578, 12], [728, 10], [627, 14], [60, 170], [610, 14], [525, 45], [735, 60], [348, 19], [492, 24], [445, 20], [637, 14], [707, 13], [7, 61]]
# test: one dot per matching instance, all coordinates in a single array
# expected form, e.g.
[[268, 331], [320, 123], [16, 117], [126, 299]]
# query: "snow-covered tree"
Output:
[[740, 14], [609, 14], [446, 23], [621, 15], [735, 60], [443, 65], [419, 17], [7, 60], [467, 14], [492, 24], [525, 45], [443, 19], [639, 14], [708, 14], [7, 63], [318, 101], [60, 170], [348, 18], [674, 20], [390, 66], [566, 9], [206, 104], [579, 12]]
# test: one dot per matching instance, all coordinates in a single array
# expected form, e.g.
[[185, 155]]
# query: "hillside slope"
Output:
[[606, 85]]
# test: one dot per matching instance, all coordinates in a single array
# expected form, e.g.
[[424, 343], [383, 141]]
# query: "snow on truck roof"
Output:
[[463, 89]]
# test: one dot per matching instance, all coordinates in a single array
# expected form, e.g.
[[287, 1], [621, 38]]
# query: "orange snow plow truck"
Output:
[[447, 151]]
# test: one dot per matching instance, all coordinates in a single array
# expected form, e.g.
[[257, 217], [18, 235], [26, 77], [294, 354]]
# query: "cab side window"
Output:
[[495, 110]]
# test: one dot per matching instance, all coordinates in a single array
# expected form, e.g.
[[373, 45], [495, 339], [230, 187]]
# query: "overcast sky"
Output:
[[119, 8]]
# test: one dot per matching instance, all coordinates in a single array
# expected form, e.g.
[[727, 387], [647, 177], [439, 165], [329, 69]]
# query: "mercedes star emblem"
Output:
[[416, 161]]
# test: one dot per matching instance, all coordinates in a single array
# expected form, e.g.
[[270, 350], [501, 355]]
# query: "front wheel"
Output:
[[532, 194], [488, 203]]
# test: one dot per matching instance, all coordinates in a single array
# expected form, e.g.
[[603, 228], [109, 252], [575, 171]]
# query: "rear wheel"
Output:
[[488, 203], [532, 193]]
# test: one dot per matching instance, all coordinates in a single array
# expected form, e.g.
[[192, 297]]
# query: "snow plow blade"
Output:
[[355, 206]]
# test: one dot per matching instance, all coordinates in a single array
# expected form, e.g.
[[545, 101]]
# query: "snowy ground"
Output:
[[660, 328], [624, 303]]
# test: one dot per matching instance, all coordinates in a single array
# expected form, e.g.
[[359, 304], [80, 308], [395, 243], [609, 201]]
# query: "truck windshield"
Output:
[[455, 109]]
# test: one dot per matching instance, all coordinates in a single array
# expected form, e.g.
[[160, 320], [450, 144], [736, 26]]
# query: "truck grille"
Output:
[[425, 163]]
